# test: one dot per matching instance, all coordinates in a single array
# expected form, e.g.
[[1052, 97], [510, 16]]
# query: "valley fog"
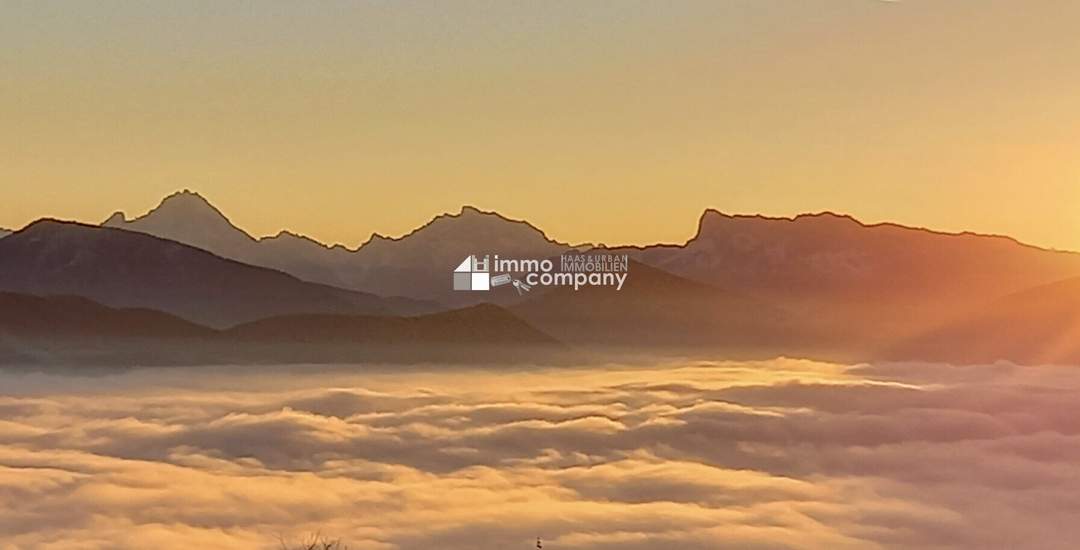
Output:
[[685, 454]]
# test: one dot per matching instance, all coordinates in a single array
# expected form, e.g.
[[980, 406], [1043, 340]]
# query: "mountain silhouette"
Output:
[[479, 324], [416, 265], [830, 254], [854, 282], [1035, 326], [72, 330], [38, 330], [129, 269], [803, 260], [821, 285], [657, 311], [187, 217], [74, 316], [420, 263]]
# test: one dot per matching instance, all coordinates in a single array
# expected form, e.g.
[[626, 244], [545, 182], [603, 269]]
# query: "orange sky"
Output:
[[599, 121]]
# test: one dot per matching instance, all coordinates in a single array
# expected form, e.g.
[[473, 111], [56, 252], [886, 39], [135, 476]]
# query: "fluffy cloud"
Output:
[[774, 454]]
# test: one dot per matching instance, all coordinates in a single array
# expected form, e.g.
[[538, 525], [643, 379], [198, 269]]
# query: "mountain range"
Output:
[[816, 285], [845, 281], [72, 330], [658, 310], [65, 317], [386, 266], [133, 270]]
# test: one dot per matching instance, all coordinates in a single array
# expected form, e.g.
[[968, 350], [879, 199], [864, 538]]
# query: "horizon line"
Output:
[[708, 210]]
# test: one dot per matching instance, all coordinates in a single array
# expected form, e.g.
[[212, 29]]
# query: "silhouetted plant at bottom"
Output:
[[315, 542]]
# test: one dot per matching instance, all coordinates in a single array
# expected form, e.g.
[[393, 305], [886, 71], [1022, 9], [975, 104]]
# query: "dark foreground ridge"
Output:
[[69, 330]]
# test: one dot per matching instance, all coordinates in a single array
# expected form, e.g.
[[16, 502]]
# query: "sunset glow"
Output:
[[613, 122], [552, 275]]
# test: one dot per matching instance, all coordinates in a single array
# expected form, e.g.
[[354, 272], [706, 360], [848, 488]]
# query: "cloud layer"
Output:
[[696, 455]]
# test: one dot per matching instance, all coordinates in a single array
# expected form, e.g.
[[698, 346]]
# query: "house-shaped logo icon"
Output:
[[473, 274]]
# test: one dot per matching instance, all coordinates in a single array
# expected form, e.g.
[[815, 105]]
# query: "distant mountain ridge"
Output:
[[806, 258], [837, 280], [385, 266], [850, 282], [823, 249], [189, 218], [420, 263], [816, 285], [129, 269]]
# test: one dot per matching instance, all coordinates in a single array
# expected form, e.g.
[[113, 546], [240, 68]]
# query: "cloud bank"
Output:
[[696, 455]]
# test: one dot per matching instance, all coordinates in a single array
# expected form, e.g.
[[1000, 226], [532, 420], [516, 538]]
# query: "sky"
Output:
[[614, 122]]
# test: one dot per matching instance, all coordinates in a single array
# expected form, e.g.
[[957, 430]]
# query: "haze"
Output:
[[611, 122]]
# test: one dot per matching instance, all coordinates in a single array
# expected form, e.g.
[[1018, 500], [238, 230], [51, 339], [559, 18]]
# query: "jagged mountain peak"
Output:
[[475, 223], [187, 203], [188, 217], [180, 209]]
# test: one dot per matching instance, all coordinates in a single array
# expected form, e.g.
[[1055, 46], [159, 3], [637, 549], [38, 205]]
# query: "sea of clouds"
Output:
[[688, 455]]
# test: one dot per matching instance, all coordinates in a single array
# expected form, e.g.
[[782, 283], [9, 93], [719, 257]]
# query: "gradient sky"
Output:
[[599, 121]]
